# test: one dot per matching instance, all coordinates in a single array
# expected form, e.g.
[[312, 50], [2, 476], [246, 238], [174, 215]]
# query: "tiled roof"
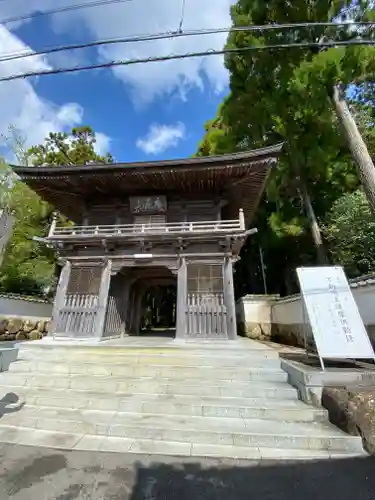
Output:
[[361, 281], [23, 297]]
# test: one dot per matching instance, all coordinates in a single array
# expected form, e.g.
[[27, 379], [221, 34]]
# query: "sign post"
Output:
[[336, 324]]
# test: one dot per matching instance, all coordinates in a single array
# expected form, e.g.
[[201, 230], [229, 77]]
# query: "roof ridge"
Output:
[[267, 151]]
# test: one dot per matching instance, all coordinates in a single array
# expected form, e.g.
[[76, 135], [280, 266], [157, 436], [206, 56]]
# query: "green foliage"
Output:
[[29, 266], [75, 148], [6, 178], [217, 139], [284, 95], [350, 230]]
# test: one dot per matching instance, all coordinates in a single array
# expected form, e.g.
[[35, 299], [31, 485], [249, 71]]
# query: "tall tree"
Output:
[[29, 266], [286, 95], [350, 230], [278, 108], [74, 148]]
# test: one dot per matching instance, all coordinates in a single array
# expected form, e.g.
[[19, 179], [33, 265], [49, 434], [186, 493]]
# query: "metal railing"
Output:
[[223, 226]]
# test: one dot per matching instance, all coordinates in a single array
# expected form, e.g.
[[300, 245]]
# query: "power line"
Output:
[[174, 34], [87, 5], [251, 48]]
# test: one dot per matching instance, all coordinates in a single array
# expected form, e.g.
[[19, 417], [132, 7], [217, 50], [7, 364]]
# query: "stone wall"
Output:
[[288, 321], [266, 317], [20, 329], [20, 306], [254, 316]]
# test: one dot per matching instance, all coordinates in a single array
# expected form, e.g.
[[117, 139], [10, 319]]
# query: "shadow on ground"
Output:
[[28, 473], [10, 399]]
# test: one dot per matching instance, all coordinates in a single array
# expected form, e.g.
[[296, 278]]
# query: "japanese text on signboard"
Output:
[[340, 310]]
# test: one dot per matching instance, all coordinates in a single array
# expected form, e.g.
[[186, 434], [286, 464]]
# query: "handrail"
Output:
[[133, 229]]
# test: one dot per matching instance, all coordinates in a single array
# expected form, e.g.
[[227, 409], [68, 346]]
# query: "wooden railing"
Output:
[[223, 226], [206, 315], [78, 315]]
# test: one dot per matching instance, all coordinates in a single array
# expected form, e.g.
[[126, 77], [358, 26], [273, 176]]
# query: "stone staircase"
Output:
[[197, 399]]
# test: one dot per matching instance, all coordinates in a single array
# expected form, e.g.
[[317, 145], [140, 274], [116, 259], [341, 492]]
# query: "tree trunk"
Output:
[[356, 145], [321, 256], [314, 226]]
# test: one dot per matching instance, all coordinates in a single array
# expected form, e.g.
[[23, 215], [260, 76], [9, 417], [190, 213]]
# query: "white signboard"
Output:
[[334, 317]]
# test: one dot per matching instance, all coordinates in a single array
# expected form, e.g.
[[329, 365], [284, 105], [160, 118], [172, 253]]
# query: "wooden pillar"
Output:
[[137, 316], [103, 299], [242, 220], [181, 300], [130, 311], [59, 301], [126, 298], [229, 299]]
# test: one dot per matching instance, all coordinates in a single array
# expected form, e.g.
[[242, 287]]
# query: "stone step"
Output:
[[272, 409], [68, 441], [253, 433], [238, 348], [208, 374], [196, 399], [231, 349], [168, 360], [117, 385]]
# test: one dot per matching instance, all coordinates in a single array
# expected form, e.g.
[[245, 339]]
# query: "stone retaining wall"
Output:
[[269, 317], [20, 329]]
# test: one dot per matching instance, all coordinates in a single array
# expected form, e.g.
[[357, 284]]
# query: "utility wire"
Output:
[[95, 3], [251, 48], [172, 34]]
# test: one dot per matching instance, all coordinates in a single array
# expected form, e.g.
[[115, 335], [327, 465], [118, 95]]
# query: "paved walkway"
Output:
[[35, 473]]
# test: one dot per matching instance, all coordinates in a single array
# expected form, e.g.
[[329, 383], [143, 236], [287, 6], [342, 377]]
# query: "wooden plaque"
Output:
[[148, 204]]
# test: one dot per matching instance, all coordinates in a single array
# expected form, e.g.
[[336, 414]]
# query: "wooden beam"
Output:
[[129, 258]]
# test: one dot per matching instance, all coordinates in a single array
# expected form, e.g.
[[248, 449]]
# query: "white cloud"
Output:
[[152, 80], [70, 113], [149, 81], [161, 137], [21, 106], [103, 143]]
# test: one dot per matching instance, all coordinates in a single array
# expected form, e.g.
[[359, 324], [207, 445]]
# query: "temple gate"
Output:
[[175, 223]]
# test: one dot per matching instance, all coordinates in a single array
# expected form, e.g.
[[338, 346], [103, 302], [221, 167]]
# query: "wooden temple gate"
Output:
[[186, 216], [94, 301]]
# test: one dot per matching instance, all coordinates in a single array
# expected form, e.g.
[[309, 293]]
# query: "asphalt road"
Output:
[[28, 473]]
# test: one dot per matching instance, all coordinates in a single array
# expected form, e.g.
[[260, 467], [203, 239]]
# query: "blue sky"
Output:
[[143, 112]]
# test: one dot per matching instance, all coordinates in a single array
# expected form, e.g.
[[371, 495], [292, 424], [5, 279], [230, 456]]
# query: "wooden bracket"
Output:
[[181, 244]]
